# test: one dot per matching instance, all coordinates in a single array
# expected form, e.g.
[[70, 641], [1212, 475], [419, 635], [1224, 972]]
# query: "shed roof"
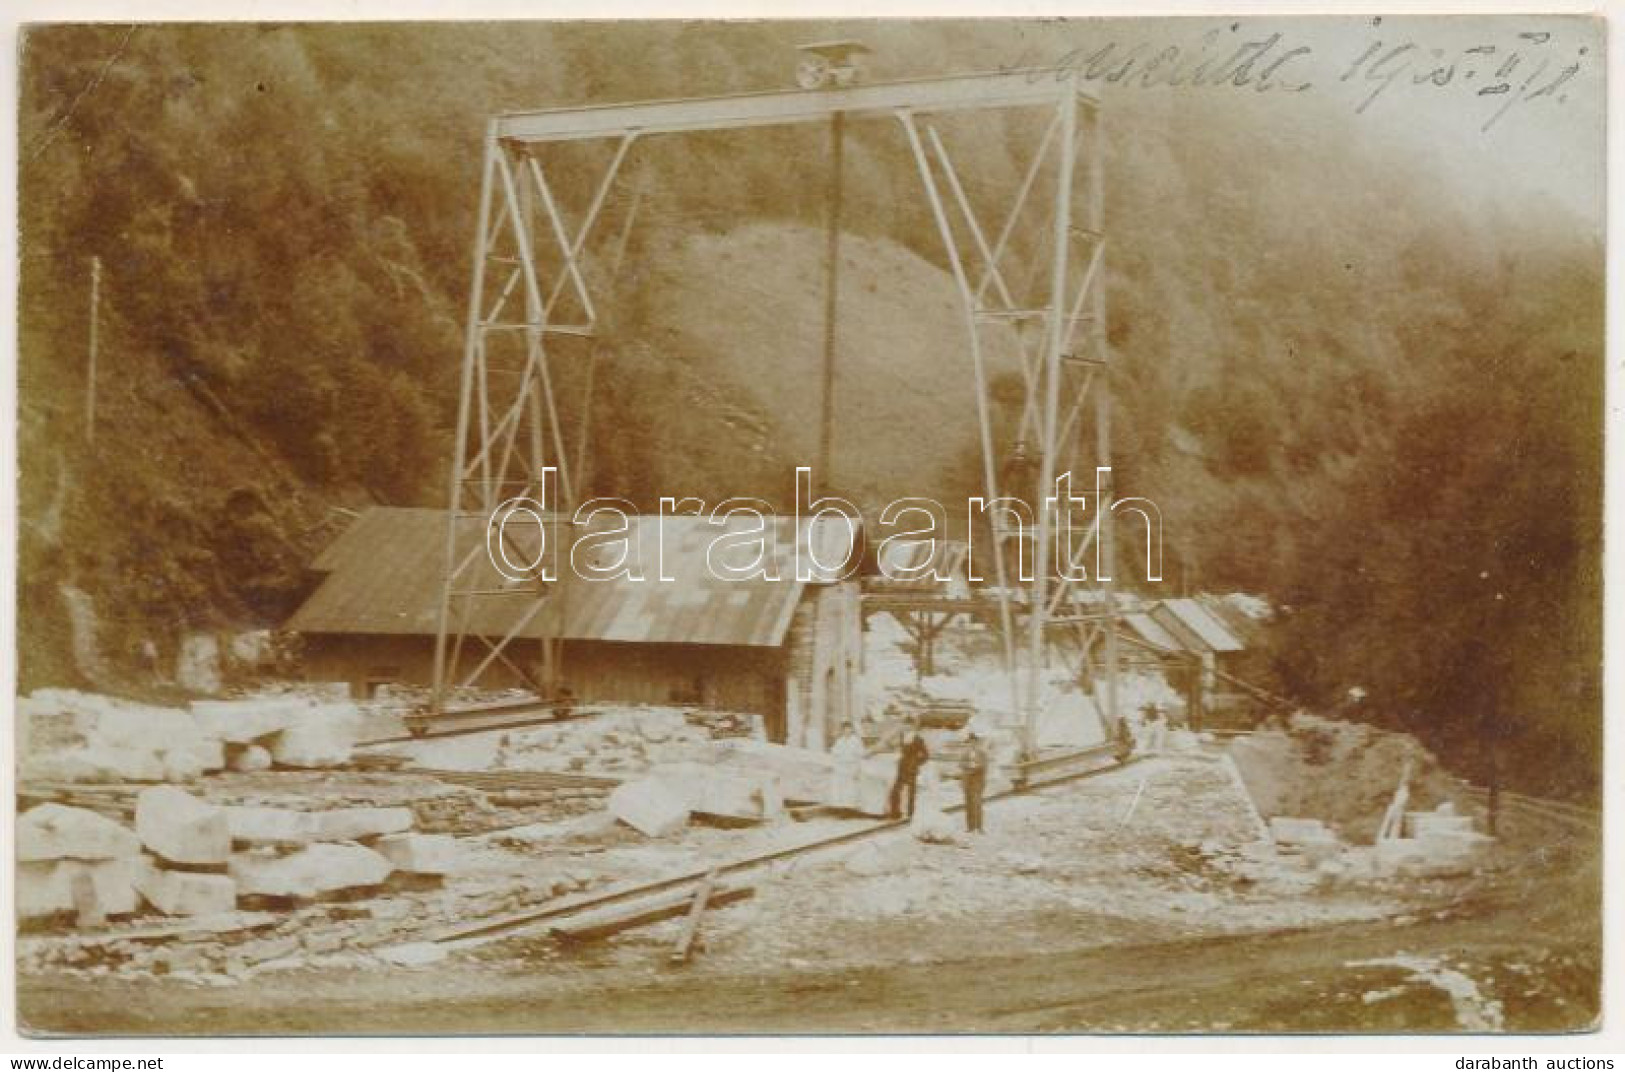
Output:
[[384, 576], [1243, 615], [1196, 628], [1146, 628], [947, 559]]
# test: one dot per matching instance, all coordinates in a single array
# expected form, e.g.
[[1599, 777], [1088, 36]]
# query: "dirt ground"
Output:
[[1125, 903], [1343, 773]]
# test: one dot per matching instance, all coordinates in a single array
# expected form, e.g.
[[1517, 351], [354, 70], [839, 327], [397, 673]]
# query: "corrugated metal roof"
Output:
[[384, 576], [1182, 625], [381, 575], [1152, 633], [1231, 611], [697, 606], [947, 557], [1212, 633]]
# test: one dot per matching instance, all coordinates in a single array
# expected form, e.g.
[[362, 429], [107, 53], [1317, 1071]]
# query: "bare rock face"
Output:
[[58, 832], [180, 828], [197, 664]]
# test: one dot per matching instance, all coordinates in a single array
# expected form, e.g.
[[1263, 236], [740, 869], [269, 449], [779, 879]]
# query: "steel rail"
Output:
[[1572, 815], [454, 723], [491, 927]]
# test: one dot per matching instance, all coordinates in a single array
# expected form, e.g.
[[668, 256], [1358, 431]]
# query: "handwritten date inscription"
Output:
[[1530, 67]]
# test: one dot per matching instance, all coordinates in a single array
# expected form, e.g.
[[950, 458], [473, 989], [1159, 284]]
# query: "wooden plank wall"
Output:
[[825, 660], [727, 678]]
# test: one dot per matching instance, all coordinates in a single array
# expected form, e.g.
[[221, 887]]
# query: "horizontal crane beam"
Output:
[[1007, 89]]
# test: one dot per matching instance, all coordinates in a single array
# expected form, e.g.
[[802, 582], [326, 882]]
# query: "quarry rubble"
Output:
[[299, 831]]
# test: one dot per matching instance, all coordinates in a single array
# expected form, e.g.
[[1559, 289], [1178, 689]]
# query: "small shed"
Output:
[[1190, 636], [673, 631]]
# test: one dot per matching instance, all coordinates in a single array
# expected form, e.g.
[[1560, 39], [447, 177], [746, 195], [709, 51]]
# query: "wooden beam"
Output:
[[684, 949], [620, 918]]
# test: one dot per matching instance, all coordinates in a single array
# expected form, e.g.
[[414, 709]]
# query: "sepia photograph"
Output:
[[949, 526]]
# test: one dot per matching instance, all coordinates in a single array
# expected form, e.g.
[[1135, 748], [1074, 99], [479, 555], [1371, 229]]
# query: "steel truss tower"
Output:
[[1030, 270]]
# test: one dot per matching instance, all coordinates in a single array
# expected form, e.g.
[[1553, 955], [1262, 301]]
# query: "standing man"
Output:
[[910, 758], [973, 775], [1122, 741]]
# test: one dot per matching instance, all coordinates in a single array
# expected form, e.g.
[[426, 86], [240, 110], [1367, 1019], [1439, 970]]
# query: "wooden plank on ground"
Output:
[[1138, 793], [1393, 820], [684, 949], [614, 920]]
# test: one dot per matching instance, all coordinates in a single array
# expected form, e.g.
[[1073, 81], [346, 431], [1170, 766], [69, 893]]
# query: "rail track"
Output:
[[488, 929], [482, 718], [1053, 765], [1560, 812], [523, 780]]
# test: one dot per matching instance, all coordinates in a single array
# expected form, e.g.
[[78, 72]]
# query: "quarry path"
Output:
[[1531, 968]]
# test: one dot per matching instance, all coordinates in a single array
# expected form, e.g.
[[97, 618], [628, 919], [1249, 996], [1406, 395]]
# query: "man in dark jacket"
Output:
[[1122, 741], [910, 758]]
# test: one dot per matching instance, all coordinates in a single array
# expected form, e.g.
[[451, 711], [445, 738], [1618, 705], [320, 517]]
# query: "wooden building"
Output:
[[1190, 637], [786, 650]]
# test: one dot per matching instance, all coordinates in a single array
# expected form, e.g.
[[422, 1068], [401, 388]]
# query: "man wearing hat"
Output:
[[973, 776], [912, 755]]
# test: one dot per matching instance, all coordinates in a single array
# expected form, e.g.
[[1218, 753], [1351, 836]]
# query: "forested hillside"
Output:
[[1350, 389]]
